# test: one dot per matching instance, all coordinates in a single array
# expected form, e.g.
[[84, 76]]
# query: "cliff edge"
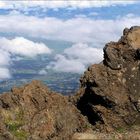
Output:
[[110, 95]]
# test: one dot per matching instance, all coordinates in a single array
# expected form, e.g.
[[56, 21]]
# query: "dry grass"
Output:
[[14, 121], [132, 134]]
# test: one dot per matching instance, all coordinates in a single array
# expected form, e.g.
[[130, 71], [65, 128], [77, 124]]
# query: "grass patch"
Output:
[[121, 129], [13, 125], [20, 134], [14, 120]]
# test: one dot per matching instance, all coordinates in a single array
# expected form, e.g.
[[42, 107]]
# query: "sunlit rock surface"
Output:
[[111, 90]]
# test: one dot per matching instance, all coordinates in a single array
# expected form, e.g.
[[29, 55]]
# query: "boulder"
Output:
[[34, 112], [110, 96]]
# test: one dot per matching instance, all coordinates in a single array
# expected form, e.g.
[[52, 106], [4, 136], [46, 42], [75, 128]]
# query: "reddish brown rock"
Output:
[[35, 112], [111, 90]]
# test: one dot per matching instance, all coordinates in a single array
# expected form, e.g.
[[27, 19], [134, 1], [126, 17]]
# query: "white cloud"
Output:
[[23, 47], [76, 29], [85, 54], [42, 72], [4, 64], [63, 64], [63, 3], [98, 32], [4, 58], [76, 59], [3, 4], [17, 46], [4, 73]]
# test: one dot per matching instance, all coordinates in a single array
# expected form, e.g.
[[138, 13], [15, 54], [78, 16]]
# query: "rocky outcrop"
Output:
[[34, 112], [110, 95]]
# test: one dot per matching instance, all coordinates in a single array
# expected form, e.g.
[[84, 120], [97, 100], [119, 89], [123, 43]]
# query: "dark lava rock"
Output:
[[34, 112], [110, 96]]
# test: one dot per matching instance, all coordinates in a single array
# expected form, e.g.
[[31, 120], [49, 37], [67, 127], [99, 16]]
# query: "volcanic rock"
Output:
[[34, 112], [110, 96]]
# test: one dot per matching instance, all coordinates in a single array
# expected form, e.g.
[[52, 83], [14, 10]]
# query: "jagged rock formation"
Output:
[[111, 90], [34, 112]]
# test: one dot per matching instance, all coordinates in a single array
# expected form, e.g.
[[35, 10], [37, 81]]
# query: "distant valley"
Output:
[[27, 69]]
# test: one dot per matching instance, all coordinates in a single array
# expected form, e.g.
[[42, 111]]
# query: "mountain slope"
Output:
[[35, 112], [111, 90]]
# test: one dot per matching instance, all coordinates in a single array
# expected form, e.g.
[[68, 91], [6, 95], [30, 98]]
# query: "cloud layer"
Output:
[[79, 29], [76, 29], [4, 64], [4, 73], [76, 59], [18, 46], [23, 47], [62, 3]]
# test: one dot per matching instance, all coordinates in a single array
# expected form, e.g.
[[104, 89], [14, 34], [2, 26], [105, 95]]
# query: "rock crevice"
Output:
[[112, 88]]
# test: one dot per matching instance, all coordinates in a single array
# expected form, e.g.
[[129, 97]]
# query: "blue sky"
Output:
[[96, 12], [88, 25]]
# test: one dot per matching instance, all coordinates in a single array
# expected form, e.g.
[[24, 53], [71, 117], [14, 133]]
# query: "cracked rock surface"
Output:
[[110, 95], [34, 112]]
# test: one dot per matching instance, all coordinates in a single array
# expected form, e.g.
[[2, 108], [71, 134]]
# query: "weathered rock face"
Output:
[[111, 90], [35, 112]]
